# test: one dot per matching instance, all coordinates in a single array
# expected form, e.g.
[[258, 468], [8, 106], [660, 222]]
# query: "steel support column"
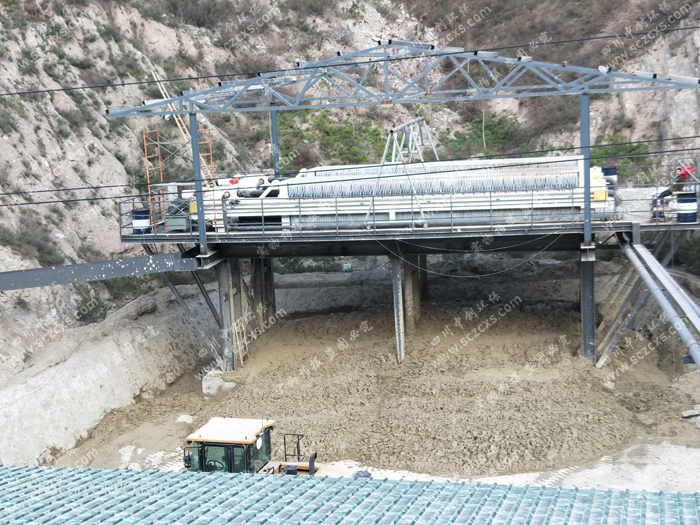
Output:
[[198, 184], [587, 249], [586, 152], [275, 143], [397, 279]]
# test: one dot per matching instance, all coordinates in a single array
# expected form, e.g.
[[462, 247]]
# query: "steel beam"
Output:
[[442, 75], [675, 319], [202, 225], [397, 279], [204, 292], [621, 283], [684, 302], [188, 314], [638, 304], [100, 271]]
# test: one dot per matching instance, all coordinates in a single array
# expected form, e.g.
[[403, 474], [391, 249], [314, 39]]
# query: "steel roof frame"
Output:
[[345, 78]]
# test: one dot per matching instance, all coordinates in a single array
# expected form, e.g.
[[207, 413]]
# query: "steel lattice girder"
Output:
[[447, 74]]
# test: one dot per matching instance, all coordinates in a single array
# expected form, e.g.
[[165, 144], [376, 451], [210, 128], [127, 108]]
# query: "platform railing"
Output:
[[333, 222]]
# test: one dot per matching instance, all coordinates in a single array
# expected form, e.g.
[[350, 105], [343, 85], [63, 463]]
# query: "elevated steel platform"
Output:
[[276, 242]]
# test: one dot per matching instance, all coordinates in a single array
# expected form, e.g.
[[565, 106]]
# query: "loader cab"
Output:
[[230, 445]]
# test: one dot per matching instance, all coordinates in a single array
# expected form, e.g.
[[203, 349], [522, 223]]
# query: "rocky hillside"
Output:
[[56, 144]]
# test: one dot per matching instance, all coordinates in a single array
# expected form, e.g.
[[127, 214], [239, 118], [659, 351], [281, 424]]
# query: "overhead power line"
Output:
[[546, 160], [491, 156], [357, 63]]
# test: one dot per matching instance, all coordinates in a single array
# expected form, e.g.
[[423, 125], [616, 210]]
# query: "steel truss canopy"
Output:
[[399, 72]]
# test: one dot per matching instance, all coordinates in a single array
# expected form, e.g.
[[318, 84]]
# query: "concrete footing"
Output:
[[215, 383], [588, 303]]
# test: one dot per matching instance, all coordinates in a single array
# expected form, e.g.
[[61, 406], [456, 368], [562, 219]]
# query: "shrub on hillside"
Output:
[[500, 134]]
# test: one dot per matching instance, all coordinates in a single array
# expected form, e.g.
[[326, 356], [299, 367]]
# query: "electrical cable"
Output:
[[398, 256], [344, 64], [546, 160]]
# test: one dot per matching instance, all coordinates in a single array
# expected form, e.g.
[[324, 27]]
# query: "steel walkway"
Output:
[[85, 496]]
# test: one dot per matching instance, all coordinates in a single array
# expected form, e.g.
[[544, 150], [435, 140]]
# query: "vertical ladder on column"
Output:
[[206, 154], [154, 171]]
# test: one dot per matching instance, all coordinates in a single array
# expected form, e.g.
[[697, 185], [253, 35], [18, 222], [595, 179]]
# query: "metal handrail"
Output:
[[341, 224]]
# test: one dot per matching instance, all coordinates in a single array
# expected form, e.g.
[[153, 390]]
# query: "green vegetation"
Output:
[[88, 252], [494, 23], [8, 124], [689, 253], [501, 134], [59, 30], [354, 140], [110, 32], [633, 160], [127, 65], [27, 62], [32, 240], [91, 308], [74, 117], [22, 303], [304, 264], [310, 8], [80, 63], [129, 288], [354, 10]]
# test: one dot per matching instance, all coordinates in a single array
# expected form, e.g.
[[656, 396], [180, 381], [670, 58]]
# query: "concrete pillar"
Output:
[[262, 287], [269, 285], [239, 323], [411, 298], [397, 279], [423, 274], [416, 293], [226, 307], [257, 290]]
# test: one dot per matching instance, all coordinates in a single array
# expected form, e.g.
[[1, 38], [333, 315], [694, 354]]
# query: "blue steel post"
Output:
[[198, 184], [587, 249], [586, 152], [275, 143]]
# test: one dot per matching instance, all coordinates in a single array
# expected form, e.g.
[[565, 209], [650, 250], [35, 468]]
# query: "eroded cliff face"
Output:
[[648, 115]]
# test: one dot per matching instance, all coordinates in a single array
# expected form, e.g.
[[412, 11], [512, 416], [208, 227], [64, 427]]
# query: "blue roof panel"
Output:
[[78, 496]]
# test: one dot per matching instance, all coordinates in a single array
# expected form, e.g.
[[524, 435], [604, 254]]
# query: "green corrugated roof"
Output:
[[71, 496]]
